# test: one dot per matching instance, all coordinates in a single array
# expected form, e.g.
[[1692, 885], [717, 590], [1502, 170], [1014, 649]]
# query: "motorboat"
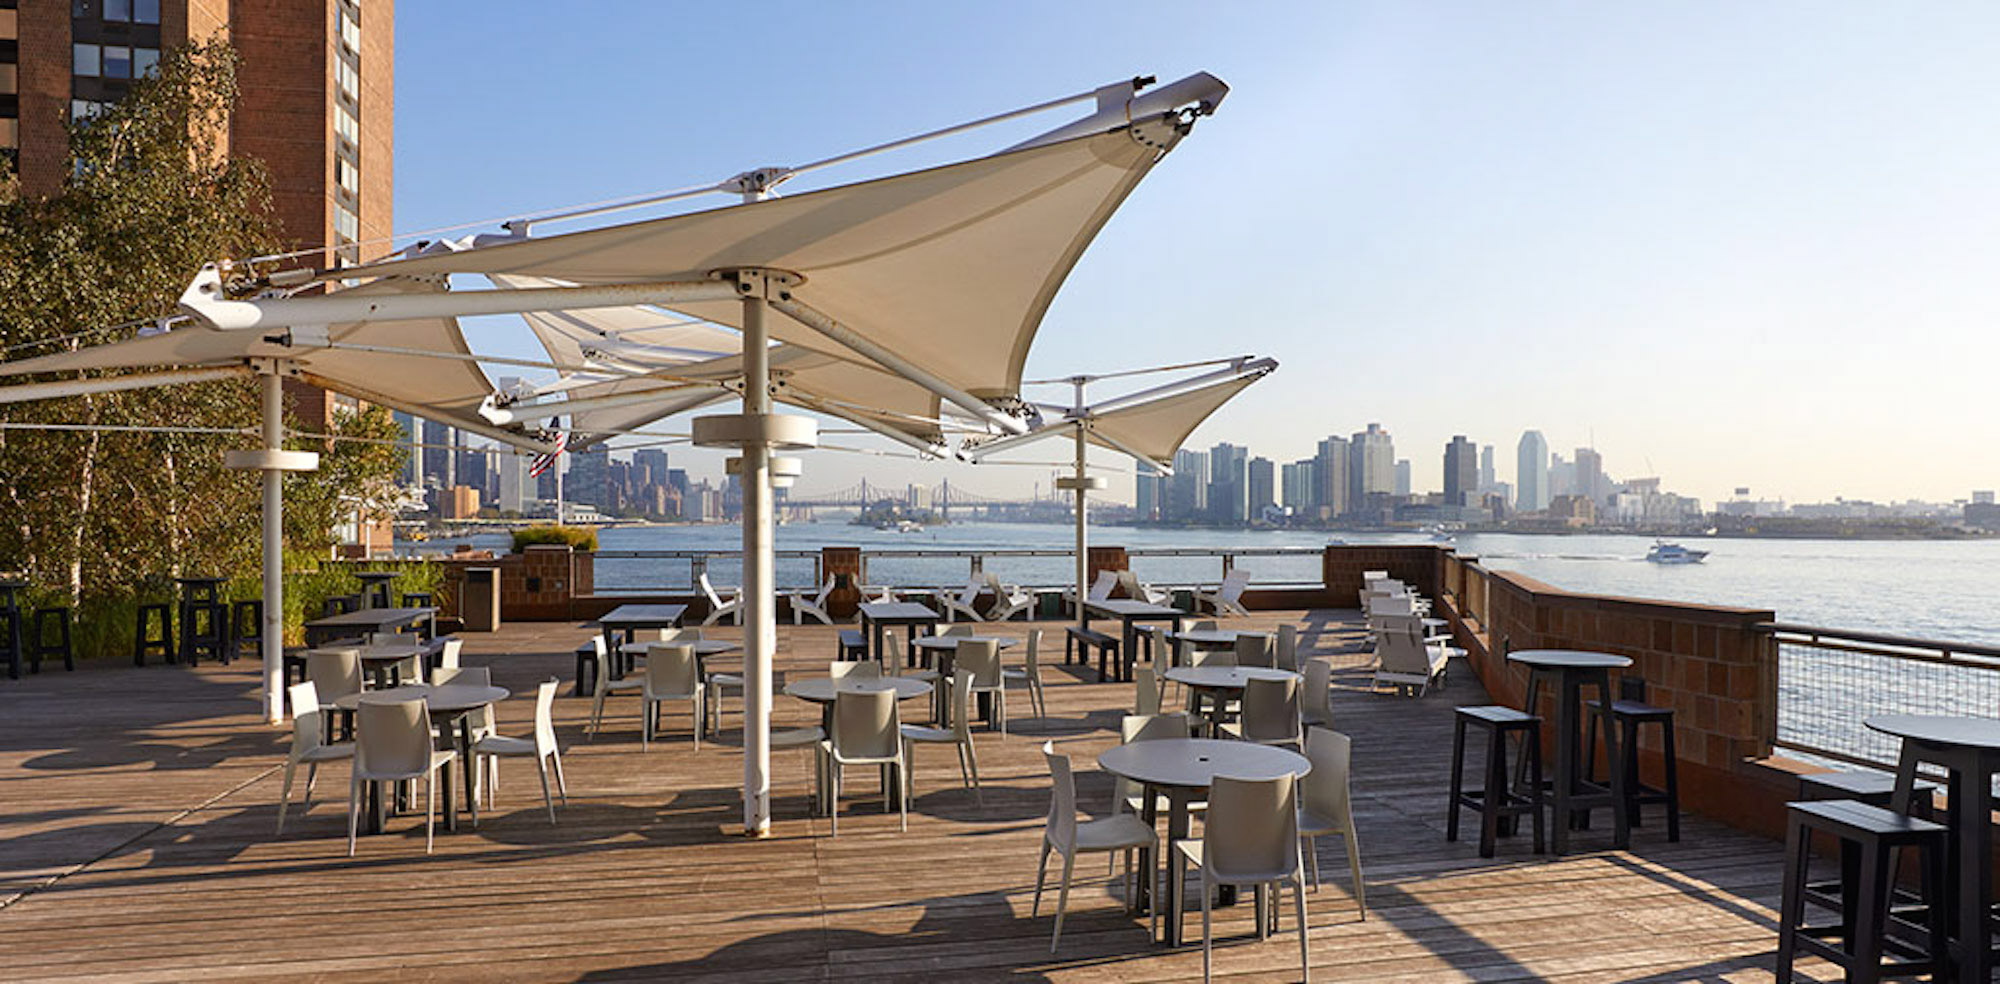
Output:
[[1673, 553]]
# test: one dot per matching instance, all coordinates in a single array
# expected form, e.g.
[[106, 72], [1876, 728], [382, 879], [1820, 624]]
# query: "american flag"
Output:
[[542, 462]]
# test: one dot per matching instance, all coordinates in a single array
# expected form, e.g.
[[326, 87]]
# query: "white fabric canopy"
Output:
[[951, 268], [1157, 428]]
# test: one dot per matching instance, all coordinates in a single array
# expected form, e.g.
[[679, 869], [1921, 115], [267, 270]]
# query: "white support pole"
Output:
[[274, 551], [760, 633], [1082, 539]]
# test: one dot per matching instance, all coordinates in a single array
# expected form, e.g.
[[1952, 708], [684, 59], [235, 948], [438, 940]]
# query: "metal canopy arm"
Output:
[[1243, 369], [812, 318], [459, 421], [521, 413], [994, 447], [204, 300], [907, 440], [27, 392]]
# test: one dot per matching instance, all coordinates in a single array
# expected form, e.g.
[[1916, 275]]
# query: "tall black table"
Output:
[[376, 584], [1969, 751], [365, 620], [628, 620], [1132, 613], [1567, 672], [877, 616]]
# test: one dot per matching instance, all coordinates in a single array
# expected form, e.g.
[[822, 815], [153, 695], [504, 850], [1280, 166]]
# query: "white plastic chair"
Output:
[[1271, 712], [964, 603], [672, 673], [630, 684], [1139, 590], [1031, 675], [334, 673], [1100, 589], [1288, 647], [1251, 837], [816, 606], [394, 745], [854, 670], [478, 720], [959, 734], [1326, 806], [719, 606], [1008, 600], [1227, 598], [1128, 796], [449, 651], [1065, 836], [1145, 691], [982, 658], [1254, 649], [1316, 704], [541, 747], [1406, 662], [866, 731], [307, 745]]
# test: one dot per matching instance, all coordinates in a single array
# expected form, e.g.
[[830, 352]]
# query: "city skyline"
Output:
[[1726, 244]]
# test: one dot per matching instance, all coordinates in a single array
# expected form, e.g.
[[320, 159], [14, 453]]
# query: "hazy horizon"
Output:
[[1728, 245]]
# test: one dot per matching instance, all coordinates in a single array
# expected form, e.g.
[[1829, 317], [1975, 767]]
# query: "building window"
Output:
[[10, 78], [350, 31], [84, 60], [83, 109], [348, 176], [344, 124], [10, 26], [145, 62], [346, 224], [118, 10], [350, 80], [117, 61], [10, 133], [146, 11]]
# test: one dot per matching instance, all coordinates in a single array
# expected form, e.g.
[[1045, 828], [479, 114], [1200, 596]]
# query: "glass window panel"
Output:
[[10, 80], [10, 26], [350, 32], [117, 61], [118, 10], [146, 11], [145, 61], [10, 132], [84, 59]]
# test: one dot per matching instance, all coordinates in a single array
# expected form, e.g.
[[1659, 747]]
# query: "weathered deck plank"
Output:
[[139, 803]]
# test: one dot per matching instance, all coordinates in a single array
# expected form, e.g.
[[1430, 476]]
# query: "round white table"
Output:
[[451, 708], [1219, 683], [1181, 768]]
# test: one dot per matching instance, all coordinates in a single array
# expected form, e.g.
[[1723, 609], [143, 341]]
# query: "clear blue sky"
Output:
[[1740, 244]]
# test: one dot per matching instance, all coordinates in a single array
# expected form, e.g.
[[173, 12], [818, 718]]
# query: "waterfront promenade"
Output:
[[138, 847]]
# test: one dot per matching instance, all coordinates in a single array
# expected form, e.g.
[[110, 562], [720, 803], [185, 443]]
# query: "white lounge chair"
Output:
[[964, 603], [1100, 590], [1008, 600], [1405, 661], [719, 606], [815, 606], [1227, 598], [1139, 590]]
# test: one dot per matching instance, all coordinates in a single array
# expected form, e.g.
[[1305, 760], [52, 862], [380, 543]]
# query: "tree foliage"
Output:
[[151, 196]]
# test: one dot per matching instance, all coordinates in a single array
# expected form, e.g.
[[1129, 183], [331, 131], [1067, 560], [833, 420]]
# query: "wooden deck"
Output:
[[137, 845]]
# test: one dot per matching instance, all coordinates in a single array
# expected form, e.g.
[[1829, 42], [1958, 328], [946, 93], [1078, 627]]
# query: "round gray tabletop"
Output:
[[1206, 637], [1225, 677], [450, 698], [1193, 763], [702, 647], [1939, 729], [821, 690], [951, 642], [1569, 659]]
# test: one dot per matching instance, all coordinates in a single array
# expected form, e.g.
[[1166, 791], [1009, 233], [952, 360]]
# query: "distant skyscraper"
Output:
[[1228, 483], [1295, 485], [1531, 472], [1404, 484], [1461, 472], [513, 482], [1187, 491], [1147, 497], [1330, 476], [1486, 476], [1263, 491], [1562, 478], [1590, 479], [472, 468], [413, 463], [1371, 464], [440, 464], [649, 466], [585, 483]]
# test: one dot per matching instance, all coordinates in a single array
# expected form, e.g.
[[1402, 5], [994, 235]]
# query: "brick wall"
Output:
[[1342, 566]]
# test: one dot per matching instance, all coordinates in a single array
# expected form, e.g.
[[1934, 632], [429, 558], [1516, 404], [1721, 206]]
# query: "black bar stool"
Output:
[[1869, 837], [54, 620], [1628, 713], [422, 599], [144, 642], [204, 631], [246, 629], [11, 640], [1497, 800]]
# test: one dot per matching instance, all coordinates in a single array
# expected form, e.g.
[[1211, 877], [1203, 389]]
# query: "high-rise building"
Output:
[[1531, 472], [1590, 480], [1147, 488], [413, 463], [1371, 465], [1461, 472], [587, 478], [472, 469], [1295, 485], [512, 472], [649, 466], [1263, 487], [1187, 491], [1330, 476], [1562, 477], [440, 459], [1404, 484], [1228, 483], [1486, 476]]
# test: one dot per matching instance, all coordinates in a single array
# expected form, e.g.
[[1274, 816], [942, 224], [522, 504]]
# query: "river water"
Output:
[[1934, 589]]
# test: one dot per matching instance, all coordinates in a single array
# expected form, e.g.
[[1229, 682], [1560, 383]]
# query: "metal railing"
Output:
[[1831, 680], [930, 567]]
